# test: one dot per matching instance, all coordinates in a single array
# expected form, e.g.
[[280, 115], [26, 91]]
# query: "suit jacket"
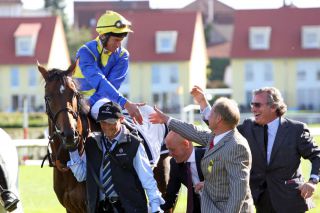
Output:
[[225, 169], [282, 175], [177, 177]]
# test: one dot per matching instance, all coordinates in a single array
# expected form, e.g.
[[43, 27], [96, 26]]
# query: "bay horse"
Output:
[[69, 125]]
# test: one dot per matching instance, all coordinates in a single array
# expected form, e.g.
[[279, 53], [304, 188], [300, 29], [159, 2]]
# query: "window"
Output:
[[310, 37], [14, 103], [174, 75], [249, 72], [301, 75], [26, 38], [259, 38], [166, 41], [32, 77], [165, 74], [155, 74], [23, 46], [318, 75], [14, 77], [268, 74]]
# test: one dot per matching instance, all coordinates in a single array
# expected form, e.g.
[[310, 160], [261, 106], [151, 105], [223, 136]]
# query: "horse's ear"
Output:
[[72, 68], [42, 70]]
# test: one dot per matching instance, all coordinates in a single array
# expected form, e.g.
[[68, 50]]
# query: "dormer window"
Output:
[[259, 38], [166, 41], [26, 39], [310, 37]]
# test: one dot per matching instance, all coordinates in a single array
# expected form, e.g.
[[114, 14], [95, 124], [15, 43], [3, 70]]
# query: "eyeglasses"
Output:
[[257, 104], [119, 24]]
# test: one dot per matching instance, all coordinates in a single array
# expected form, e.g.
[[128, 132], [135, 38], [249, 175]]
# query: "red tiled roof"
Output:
[[142, 43], [285, 26], [86, 10], [10, 1], [27, 29], [44, 40]]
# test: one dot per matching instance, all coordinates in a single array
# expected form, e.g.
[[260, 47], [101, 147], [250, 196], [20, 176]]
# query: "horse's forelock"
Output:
[[60, 75], [55, 74]]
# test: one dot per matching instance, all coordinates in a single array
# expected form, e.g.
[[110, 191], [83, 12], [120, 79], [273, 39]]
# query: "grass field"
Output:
[[37, 195]]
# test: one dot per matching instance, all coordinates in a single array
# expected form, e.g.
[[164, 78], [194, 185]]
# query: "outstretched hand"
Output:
[[134, 112], [158, 117], [199, 96]]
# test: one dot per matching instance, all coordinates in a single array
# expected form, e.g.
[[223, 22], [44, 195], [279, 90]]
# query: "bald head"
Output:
[[179, 148]]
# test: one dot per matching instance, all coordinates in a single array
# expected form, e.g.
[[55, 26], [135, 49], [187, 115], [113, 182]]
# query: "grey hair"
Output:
[[228, 109], [274, 98]]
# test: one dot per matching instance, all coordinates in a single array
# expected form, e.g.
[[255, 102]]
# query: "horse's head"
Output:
[[62, 106]]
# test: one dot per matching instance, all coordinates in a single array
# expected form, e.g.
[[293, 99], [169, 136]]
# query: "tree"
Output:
[[56, 7], [76, 38]]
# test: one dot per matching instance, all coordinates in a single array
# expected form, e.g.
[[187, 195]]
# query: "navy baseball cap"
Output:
[[110, 112]]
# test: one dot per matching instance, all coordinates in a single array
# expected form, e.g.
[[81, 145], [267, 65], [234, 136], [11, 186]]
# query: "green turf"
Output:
[[36, 190], [37, 195]]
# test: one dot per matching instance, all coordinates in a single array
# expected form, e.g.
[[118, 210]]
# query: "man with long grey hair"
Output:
[[277, 145]]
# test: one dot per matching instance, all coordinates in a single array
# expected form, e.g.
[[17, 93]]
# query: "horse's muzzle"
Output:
[[70, 140]]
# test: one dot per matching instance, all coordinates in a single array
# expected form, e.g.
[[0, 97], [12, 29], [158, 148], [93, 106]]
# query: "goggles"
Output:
[[118, 24]]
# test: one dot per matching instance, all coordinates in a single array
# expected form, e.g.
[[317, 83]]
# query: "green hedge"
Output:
[[15, 120]]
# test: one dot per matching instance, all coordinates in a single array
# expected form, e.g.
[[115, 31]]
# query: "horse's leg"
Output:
[[161, 173]]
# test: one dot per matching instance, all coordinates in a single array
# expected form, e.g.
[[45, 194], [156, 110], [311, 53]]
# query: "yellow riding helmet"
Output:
[[112, 22]]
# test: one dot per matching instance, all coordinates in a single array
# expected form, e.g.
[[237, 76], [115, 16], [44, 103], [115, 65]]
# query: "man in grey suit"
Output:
[[277, 145], [226, 163]]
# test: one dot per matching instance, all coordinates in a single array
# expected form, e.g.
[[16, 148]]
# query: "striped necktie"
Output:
[[106, 172]]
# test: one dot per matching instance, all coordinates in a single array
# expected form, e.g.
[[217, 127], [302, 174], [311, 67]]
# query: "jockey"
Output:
[[102, 64]]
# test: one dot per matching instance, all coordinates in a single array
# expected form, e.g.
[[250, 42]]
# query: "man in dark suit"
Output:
[[183, 153], [277, 145]]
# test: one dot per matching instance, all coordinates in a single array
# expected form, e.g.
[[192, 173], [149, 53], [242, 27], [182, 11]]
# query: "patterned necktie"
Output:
[[190, 188], [211, 144], [106, 171]]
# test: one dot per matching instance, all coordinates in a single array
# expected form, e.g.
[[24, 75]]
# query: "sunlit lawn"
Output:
[[37, 193]]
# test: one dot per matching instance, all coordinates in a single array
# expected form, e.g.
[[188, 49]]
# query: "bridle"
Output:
[[55, 132], [54, 116]]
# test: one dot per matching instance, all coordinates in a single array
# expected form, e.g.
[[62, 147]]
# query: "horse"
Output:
[[69, 126], [9, 167]]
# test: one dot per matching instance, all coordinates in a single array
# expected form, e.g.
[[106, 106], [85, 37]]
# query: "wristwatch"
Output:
[[314, 180]]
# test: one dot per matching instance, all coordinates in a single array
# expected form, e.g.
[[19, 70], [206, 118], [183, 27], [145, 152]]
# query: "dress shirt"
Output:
[[141, 164], [193, 168], [217, 138], [205, 113], [272, 131]]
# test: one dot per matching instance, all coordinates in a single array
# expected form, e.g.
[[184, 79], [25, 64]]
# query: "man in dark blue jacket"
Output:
[[183, 153]]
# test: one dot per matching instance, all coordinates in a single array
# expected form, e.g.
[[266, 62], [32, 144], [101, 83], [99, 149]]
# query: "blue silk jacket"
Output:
[[100, 74]]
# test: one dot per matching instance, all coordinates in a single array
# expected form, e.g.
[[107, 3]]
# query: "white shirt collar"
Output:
[[192, 157], [217, 138]]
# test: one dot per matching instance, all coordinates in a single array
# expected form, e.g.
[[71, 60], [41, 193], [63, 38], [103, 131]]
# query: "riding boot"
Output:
[[9, 200]]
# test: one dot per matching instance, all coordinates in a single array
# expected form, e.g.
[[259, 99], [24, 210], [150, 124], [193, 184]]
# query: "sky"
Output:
[[236, 4]]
